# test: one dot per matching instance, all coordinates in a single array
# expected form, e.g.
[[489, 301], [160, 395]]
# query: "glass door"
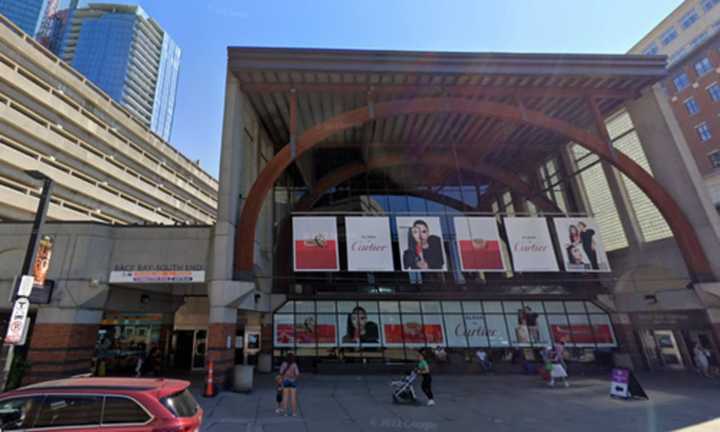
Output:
[[669, 350], [199, 349]]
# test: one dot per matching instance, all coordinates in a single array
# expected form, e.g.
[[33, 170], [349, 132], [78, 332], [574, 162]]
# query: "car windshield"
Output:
[[181, 404]]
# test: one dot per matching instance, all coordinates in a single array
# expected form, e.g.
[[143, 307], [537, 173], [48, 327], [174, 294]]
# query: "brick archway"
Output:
[[685, 235]]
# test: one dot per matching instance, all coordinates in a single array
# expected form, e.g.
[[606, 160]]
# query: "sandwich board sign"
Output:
[[624, 385]]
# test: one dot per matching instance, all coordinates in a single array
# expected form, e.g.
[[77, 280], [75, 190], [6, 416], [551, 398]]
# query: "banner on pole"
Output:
[[530, 244], [315, 244], [581, 245], [369, 246], [421, 244], [478, 242]]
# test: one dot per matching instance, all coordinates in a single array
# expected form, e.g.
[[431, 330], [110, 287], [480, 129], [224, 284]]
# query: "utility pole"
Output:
[[20, 296]]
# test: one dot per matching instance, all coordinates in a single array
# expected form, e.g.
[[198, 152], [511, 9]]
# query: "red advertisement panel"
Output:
[[582, 333], [413, 333], [316, 255], [481, 255], [303, 334]]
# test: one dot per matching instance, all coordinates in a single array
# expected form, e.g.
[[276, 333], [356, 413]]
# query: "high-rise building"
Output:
[[127, 54], [26, 14]]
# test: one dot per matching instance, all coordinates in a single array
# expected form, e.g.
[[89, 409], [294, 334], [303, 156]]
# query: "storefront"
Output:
[[393, 331], [124, 338], [669, 337]]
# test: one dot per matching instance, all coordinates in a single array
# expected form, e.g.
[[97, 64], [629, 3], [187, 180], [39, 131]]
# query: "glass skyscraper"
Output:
[[26, 14], [127, 54]]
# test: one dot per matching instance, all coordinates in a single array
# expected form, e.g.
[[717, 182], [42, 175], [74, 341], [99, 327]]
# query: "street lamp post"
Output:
[[6, 355]]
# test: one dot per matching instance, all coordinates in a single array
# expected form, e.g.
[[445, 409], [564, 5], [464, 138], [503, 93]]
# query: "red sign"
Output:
[[315, 255], [42, 260], [481, 254], [582, 333], [413, 333], [287, 334]]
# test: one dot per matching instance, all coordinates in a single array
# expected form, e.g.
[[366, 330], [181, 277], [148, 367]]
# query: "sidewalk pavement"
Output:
[[471, 403]]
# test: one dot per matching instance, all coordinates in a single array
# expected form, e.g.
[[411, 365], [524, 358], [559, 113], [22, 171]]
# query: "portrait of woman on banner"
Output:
[[424, 250], [359, 329]]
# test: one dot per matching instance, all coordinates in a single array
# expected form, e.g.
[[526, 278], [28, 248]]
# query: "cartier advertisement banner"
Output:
[[478, 242], [581, 245], [369, 246], [315, 244], [421, 244], [530, 244]]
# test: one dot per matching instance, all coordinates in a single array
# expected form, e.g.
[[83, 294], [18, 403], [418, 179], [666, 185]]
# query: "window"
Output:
[[703, 131], [692, 106], [27, 408], [669, 36], [703, 66], [714, 92], [681, 81], [689, 19], [58, 411], [118, 410], [715, 159], [181, 404], [651, 50], [708, 4]]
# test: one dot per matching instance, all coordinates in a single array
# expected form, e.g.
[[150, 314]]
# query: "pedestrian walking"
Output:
[[423, 368], [555, 365], [289, 372], [702, 359]]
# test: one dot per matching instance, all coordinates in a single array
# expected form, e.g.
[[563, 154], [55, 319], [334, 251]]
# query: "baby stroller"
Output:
[[403, 389]]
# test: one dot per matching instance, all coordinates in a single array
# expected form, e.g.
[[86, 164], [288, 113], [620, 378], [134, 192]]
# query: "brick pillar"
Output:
[[62, 344], [627, 340], [223, 325]]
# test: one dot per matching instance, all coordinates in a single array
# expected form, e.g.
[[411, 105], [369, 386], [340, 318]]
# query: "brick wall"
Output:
[[60, 350], [223, 358]]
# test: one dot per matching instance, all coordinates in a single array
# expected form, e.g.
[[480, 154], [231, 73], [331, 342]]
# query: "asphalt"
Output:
[[346, 403]]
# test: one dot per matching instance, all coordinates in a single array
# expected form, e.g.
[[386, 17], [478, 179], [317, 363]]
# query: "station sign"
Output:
[[156, 277]]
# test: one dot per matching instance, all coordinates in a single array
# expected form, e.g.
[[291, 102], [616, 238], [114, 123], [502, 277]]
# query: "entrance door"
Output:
[[669, 350], [183, 341], [199, 349]]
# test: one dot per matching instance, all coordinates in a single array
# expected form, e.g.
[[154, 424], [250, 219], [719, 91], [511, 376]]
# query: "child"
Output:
[[278, 394]]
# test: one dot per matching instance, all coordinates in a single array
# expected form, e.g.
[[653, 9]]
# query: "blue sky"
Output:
[[205, 28]]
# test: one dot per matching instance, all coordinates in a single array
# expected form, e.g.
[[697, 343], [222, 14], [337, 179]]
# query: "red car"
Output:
[[113, 404]]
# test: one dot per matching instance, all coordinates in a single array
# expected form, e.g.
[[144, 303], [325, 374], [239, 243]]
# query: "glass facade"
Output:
[[128, 55], [102, 54], [26, 14], [392, 330], [166, 89]]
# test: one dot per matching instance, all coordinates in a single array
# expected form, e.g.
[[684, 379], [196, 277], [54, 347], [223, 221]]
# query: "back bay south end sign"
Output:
[[157, 273]]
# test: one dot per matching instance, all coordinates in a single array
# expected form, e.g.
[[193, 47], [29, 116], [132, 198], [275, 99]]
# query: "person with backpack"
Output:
[[289, 372]]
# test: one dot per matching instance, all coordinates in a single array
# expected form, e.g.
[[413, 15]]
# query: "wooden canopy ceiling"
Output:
[[325, 83]]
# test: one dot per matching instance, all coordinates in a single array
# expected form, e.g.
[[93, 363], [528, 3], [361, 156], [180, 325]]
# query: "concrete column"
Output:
[[62, 343], [627, 340], [674, 167], [714, 319], [221, 343], [236, 165]]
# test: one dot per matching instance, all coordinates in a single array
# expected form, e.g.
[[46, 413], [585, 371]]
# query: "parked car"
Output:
[[115, 404]]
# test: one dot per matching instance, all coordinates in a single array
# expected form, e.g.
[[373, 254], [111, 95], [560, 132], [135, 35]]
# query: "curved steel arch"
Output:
[[348, 171], [685, 235]]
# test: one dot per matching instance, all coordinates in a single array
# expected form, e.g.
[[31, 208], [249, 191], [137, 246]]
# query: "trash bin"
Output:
[[243, 378], [264, 363]]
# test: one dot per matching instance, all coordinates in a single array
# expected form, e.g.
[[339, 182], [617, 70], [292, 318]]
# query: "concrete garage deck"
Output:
[[473, 403]]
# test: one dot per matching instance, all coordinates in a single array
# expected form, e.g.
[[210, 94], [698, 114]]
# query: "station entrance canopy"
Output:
[[488, 116]]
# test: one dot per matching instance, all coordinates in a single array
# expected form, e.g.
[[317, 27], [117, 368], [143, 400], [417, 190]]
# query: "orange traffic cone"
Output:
[[209, 387]]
